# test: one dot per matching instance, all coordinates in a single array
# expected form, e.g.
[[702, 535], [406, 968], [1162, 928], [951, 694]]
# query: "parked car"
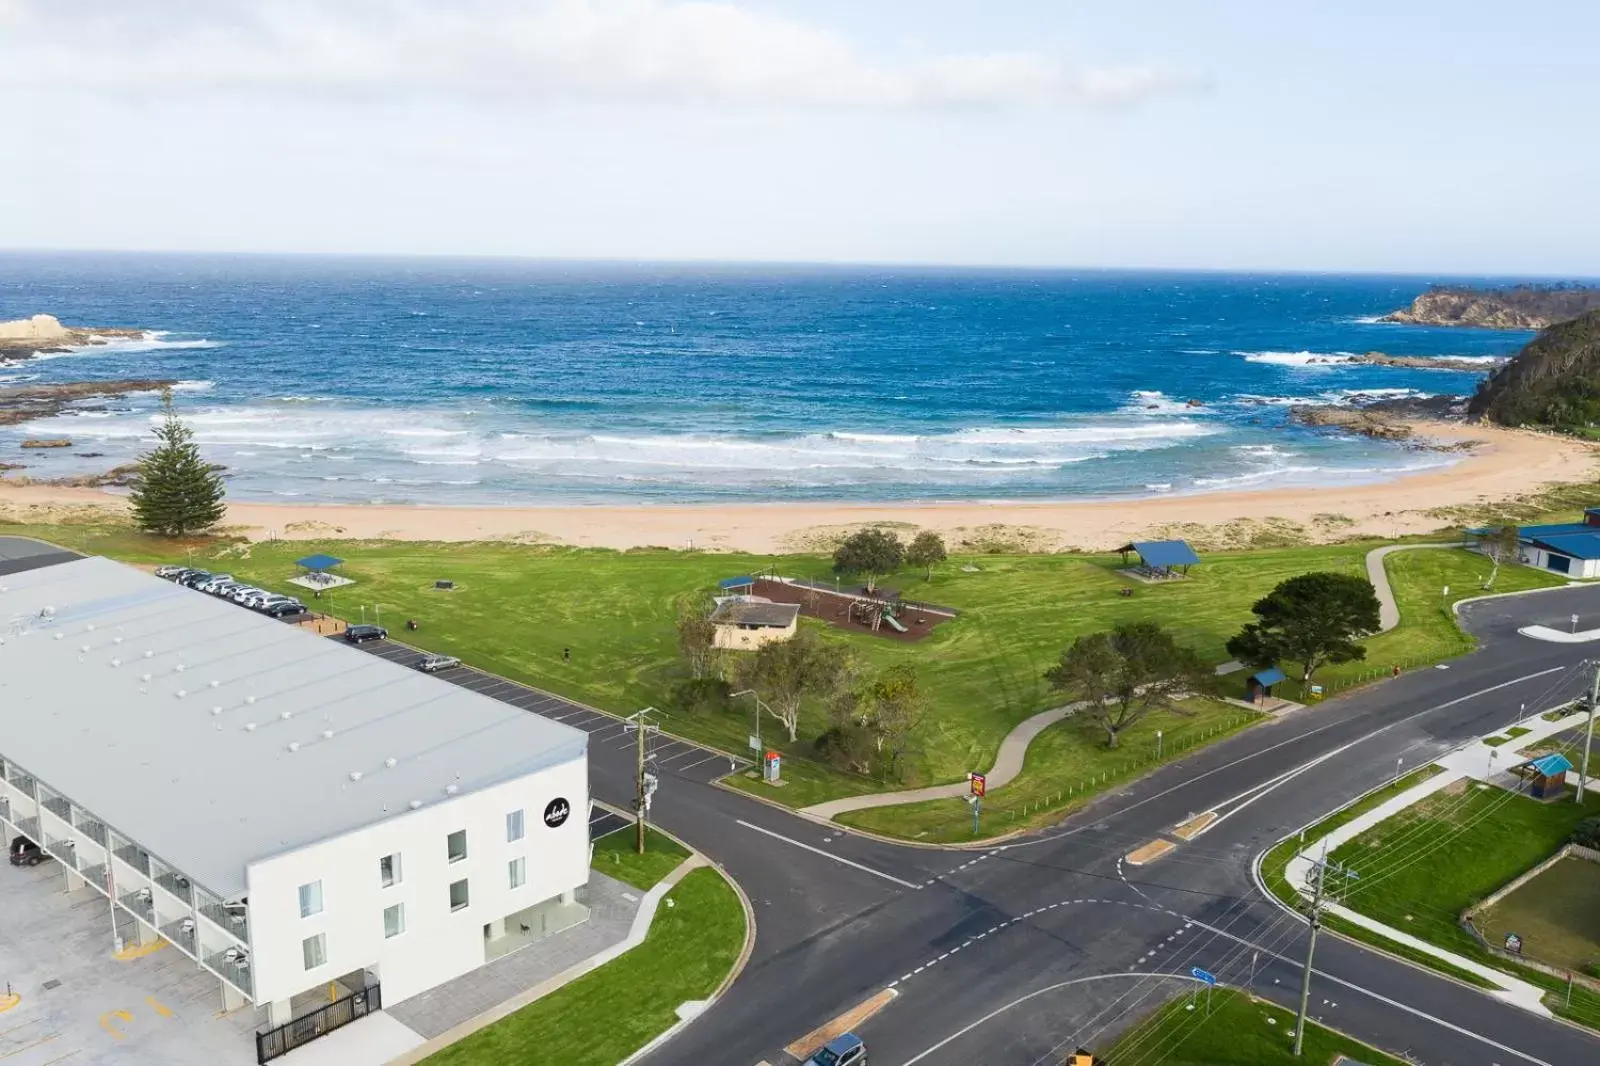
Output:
[[360, 634], [432, 664], [193, 578], [846, 1050], [279, 610], [170, 572], [25, 852], [214, 582]]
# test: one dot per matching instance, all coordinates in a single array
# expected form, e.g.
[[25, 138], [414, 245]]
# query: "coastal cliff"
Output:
[[1519, 307], [1554, 381], [23, 338]]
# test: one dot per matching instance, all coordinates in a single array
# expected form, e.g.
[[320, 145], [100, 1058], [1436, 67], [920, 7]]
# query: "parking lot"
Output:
[[76, 1004]]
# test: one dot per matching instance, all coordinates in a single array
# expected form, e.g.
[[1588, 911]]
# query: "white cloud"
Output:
[[654, 50]]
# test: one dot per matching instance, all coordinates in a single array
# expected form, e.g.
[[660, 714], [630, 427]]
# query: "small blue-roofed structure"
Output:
[[318, 562], [1546, 776], [1258, 687], [735, 586], [1160, 559]]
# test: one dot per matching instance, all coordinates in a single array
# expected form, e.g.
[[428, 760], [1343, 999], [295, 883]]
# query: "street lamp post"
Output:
[[1158, 745], [760, 706], [1397, 764]]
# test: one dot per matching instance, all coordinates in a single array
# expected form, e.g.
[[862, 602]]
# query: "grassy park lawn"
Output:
[[1421, 868], [1065, 765], [517, 608], [606, 1015], [616, 855], [1238, 1031], [1555, 914]]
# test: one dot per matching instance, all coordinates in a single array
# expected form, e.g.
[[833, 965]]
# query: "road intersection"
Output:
[[1016, 952]]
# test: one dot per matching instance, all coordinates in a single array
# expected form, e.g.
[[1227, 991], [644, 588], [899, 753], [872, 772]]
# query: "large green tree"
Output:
[[870, 553], [176, 492], [1313, 619], [786, 672], [1126, 672], [926, 551]]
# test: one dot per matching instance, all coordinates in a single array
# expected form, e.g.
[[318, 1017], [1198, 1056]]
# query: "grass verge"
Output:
[[689, 950], [616, 855], [1238, 1030]]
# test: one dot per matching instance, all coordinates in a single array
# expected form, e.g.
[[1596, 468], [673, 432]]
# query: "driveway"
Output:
[[77, 1005]]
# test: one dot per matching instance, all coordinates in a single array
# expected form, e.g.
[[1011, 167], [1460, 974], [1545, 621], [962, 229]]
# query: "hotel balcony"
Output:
[[230, 919], [29, 827], [94, 830], [181, 932], [176, 886], [234, 970], [135, 857], [139, 902], [23, 783], [63, 849], [95, 874], [5, 808], [59, 807]]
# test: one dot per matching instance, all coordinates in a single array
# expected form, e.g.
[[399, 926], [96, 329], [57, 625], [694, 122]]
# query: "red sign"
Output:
[[979, 784]]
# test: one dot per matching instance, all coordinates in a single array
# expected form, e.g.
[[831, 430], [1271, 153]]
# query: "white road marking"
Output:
[[830, 855]]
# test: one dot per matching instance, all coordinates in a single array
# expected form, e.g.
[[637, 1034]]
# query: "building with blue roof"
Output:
[[1570, 548], [1161, 558]]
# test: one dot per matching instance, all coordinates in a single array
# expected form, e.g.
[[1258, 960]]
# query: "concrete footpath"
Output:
[[1007, 765], [1472, 762]]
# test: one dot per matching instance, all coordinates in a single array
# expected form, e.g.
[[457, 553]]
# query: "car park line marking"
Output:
[[829, 855], [708, 758], [105, 1023], [158, 1006], [60, 1058]]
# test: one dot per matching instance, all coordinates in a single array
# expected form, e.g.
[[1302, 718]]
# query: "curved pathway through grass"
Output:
[[1014, 748]]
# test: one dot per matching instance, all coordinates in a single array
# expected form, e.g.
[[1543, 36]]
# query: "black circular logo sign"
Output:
[[556, 812]]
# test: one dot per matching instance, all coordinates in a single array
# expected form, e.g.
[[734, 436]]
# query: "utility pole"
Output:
[[760, 706], [1588, 731], [645, 782], [1319, 871]]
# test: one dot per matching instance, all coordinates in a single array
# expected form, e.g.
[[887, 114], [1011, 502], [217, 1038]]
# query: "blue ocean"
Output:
[[499, 381]]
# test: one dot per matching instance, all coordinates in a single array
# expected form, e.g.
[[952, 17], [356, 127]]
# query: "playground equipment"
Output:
[[874, 613]]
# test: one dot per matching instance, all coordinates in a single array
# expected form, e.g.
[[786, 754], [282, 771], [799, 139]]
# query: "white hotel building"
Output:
[[285, 810]]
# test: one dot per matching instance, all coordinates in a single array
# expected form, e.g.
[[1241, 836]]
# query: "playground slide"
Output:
[[893, 623]]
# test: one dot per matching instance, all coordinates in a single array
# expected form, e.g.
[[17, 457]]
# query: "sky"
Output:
[[1443, 137]]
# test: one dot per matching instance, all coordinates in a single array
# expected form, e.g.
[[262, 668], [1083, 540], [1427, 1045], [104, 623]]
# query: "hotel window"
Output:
[[519, 872], [314, 949], [456, 845], [513, 826], [458, 895], [389, 870], [311, 899], [394, 920]]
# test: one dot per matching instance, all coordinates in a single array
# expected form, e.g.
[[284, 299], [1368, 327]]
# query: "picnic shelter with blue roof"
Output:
[[1546, 776], [1258, 686], [319, 561], [1160, 559]]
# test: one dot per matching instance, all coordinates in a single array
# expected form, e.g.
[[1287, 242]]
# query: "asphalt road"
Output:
[[1055, 943], [1015, 954]]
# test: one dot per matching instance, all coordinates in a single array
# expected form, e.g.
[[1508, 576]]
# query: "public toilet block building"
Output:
[[287, 811]]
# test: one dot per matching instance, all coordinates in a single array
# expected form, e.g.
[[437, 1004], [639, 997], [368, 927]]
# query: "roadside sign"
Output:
[[1316, 690], [1514, 943], [1203, 975], [754, 742], [980, 784]]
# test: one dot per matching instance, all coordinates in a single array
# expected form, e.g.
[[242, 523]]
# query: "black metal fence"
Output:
[[282, 1039]]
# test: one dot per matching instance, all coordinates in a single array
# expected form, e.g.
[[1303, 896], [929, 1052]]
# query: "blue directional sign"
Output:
[[1203, 975]]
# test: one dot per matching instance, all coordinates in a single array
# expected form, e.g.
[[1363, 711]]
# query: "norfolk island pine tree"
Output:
[[176, 492]]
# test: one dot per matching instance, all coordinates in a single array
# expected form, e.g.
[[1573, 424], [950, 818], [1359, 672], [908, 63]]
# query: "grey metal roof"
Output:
[[183, 745], [749, 613]]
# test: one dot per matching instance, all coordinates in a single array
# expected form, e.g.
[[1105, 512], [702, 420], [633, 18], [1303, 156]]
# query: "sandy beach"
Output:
[[1503, 463]]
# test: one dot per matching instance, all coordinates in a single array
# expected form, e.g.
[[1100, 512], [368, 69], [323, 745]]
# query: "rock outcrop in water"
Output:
[[23, 338], [1519, 307], [1553, 382], [1387, 419], [28, 402]]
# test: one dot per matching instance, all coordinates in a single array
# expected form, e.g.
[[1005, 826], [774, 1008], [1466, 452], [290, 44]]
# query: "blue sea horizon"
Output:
[[497, 382]]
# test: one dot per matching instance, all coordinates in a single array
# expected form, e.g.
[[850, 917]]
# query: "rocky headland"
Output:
[[1553, 382], [24, 338], [1521, 307], [1409, 362]]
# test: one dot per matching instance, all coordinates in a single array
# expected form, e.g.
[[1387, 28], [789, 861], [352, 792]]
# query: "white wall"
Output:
[[437, 945]]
